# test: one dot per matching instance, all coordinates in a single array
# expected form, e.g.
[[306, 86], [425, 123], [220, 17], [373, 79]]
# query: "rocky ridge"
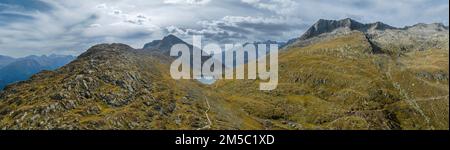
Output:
[[333, 82], [384, 38]]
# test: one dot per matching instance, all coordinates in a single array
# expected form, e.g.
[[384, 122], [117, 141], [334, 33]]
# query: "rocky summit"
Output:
[[110, 86], [384, 38], [165, 44], [340, 75], [326, 26]]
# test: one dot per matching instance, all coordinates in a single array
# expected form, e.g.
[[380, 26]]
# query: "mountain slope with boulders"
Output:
[[111, 86], [341, 84], [338, 75], [384, 38], [347, 75]]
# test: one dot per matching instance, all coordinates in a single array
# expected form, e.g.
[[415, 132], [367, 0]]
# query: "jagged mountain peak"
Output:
[[171, 38], [384, 37], [165, 44], [379, 26], [324, 26], [327, 26]]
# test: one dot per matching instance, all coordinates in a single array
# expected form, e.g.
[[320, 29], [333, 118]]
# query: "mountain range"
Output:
[[5, 60], [340, 74], [19, 69], [385, 38]]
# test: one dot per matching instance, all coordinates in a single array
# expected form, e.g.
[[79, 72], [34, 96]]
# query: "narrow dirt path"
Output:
[[207, 116], [432, 98], [411, 101]]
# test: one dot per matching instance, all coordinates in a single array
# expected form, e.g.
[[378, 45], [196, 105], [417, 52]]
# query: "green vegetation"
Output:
[[338, 83]]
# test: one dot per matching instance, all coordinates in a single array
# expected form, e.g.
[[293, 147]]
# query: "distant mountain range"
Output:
[[164, 46], [5, 60], [382, 36], [340, 74], [19, 69]]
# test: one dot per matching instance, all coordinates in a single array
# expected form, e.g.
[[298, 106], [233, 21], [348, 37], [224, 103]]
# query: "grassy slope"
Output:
[[334, 84], [339, 84], [94, 93]]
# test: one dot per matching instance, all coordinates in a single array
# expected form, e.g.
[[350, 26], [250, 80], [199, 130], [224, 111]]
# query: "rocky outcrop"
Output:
[[385, 38], [333, 83], [326, 26], [110, 86], [165, 44]]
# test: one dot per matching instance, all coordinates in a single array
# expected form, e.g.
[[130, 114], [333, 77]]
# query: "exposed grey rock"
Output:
[[327, 26], [165, 44], [382, 37], [59, 96]]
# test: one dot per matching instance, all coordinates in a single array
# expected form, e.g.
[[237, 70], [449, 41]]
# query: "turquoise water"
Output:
[[207, 80]]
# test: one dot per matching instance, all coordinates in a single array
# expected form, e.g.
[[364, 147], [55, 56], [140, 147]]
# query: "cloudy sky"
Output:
[[71, 26]]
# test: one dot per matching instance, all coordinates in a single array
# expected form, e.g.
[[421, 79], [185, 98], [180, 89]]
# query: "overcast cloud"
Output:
[[71, 26]]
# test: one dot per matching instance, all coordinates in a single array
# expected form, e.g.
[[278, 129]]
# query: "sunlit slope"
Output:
[[421, 78], [340, 84], [111, 86], [337, 83]]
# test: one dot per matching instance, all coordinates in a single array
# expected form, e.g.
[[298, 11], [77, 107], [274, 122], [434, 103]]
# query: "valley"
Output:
[[340, 75]]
